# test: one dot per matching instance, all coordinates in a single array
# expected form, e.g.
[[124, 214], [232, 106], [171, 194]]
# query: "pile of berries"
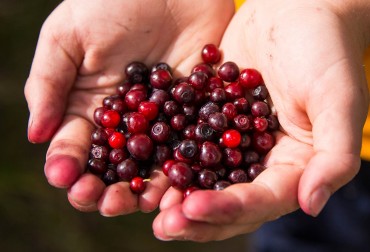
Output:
[[207, 131]]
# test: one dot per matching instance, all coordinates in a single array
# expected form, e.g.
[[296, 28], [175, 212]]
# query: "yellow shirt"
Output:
[[365, 151]]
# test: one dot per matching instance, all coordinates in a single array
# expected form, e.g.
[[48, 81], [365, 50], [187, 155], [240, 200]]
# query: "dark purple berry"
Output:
[[221, 185], [160, 132], [127, 169], [254, 170], [140, 146], [238, 176], [218, 121], [207, 178], [116, 156], [161, 79], [97, 166], [232, 157], [210, 154], [180, 175], [184, 93], [136, 72], [260, 108], [188, 148], [207, 109], [228, 71]]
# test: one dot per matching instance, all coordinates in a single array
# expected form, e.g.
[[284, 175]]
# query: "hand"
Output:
[[310, 55], [83, 49]]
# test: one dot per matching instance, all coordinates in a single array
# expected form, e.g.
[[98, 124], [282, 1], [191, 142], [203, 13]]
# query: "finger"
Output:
[[170, 198], [172, 224], [117, 199], [85, 193], [68, 152], [271, 195], [156, 187], [52, 74], [337, 131]]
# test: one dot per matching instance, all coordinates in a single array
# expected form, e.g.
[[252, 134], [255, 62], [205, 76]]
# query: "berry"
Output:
[[117, 140], [110, 119], [184, 93], [134, 97], [233, 91], [116, 156], [260, 108], [159, 97], [137, 123], [188, 148], [207, 178], [211, 54], [197, 130], [210, 154], [110, 177], [205, 68], [96, 166], [99, 137], [140, 146], [136, 72], [260, 92], [217, 121], [127, 170], [228, 71], [137, 185], [254, 170], [198, 80], [98, 114], [238, 176], [161, 79], [221, 185], [101, 152], [231, 138], [162, 65], [263, 142], [160, 132], [149, 109], [167, 165], [260, 124], [189, 190], [250, 78], [180, 175], [242, 122], [232, 157]]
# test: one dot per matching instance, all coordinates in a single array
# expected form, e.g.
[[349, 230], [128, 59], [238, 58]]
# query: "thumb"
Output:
[[53, 73], [337, 116]]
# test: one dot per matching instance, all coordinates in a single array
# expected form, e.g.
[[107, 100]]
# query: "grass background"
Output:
[[33, 215]]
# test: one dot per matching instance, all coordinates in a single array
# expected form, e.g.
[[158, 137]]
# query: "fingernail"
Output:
[[318, 200]]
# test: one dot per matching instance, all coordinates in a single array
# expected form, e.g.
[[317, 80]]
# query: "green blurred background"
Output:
[[33, 215]]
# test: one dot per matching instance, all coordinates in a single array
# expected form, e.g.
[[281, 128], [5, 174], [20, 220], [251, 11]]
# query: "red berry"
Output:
[[137, 185], [161, 79], [211, 54], [250, 78], [231, 138], [110, 119], [137, 123], [117, 140], [148, 109]]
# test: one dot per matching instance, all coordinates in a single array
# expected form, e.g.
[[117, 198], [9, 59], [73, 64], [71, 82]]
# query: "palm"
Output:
[[315, 81], [89, 53]]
